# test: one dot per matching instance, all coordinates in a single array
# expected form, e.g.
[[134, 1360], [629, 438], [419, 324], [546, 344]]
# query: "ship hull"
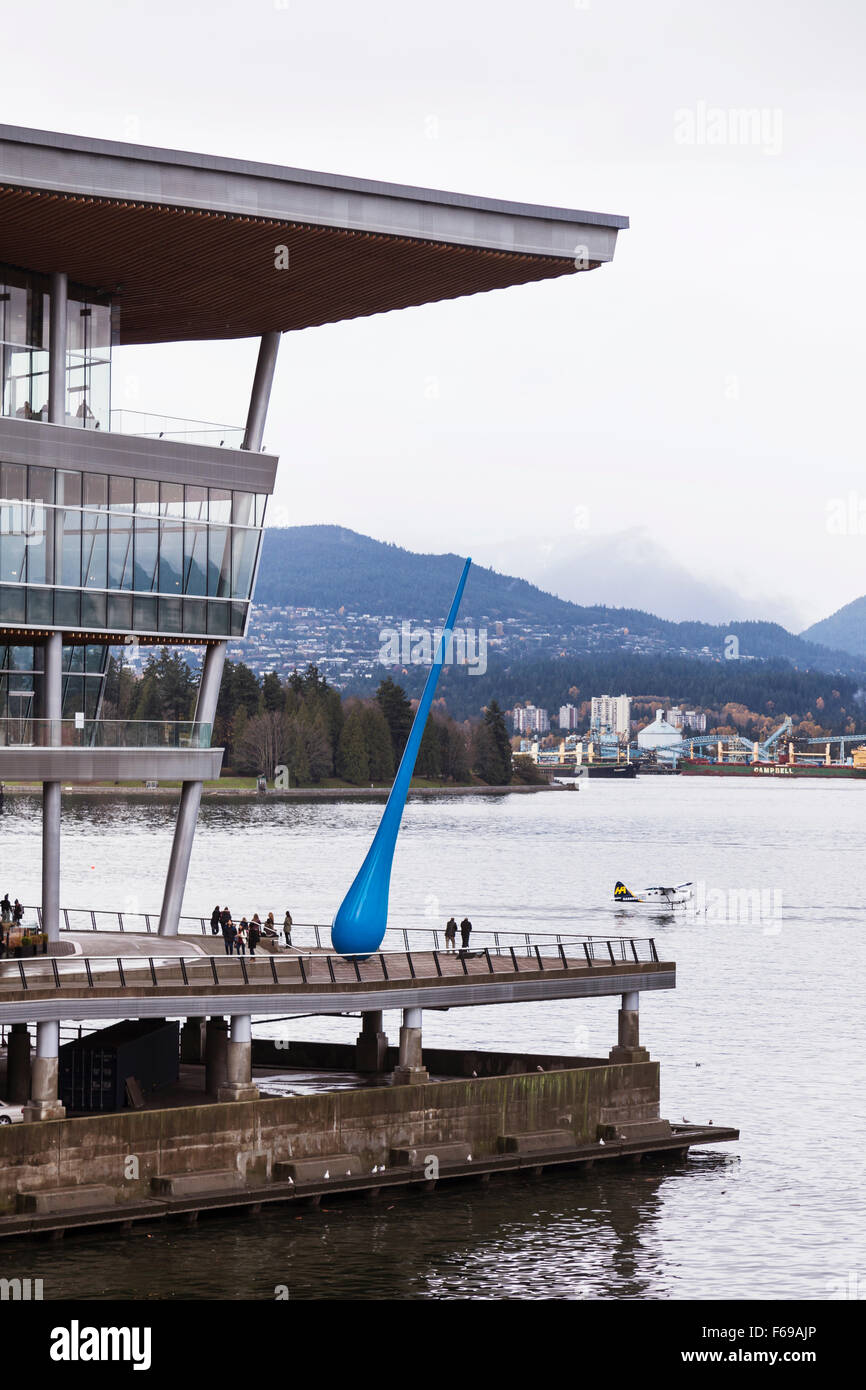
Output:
[[771, 770]]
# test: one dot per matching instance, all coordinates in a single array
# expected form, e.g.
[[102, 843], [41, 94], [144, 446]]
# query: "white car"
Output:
[[10, 1114]]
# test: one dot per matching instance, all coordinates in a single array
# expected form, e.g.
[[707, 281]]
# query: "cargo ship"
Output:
[[702, 767]]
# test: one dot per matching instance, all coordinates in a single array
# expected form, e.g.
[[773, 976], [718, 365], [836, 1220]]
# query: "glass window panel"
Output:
[[12, 546], [41, 484], [120, 612], [93, 610], [195, 505], [66, 608], [195, 616], [218, 562], [244, 548], [195, 558], [242, 508], [238, 619], [39, 606], [171, 499], [73, 658], [169, 615], [120, 551], [146, 552], [68, 547], [13, 482], [35, 520], [95, 540], [93, 660], [95, 490], [146, 496], [11, 604], [218, 619], [144, 614], [121, 492], [219, 505], [171, 557], [68, 488]]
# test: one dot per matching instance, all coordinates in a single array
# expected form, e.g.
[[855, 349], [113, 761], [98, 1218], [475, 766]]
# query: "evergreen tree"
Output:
[[398, 714], [352, 762], [377, 739], [273, 695], [492, 748]]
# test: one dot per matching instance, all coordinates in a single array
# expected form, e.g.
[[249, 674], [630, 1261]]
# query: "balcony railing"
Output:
[[103, 733], [150, 426]]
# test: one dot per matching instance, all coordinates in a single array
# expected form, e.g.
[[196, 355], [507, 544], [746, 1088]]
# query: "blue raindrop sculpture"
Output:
[[359, 925]]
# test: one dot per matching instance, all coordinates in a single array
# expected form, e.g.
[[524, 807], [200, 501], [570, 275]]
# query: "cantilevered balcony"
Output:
[[95, 750]]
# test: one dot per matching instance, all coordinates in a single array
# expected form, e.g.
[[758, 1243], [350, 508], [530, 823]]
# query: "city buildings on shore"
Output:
[[529, 719], [611, 714]]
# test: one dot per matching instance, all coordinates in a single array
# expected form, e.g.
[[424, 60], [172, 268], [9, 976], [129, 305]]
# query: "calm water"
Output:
[[764, 1032]]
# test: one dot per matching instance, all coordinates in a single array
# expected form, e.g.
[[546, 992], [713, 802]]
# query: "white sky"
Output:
[[699, 397]]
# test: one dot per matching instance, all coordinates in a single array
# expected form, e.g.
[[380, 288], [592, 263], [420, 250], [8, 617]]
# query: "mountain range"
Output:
[[332, 568]]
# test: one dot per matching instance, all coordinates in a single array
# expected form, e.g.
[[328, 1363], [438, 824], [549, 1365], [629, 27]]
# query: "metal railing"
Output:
[[111, 973], [307, 935], [17, 732], [172, 427]]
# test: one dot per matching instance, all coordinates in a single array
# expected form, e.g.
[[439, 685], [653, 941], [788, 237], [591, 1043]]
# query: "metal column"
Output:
[[52, 674]]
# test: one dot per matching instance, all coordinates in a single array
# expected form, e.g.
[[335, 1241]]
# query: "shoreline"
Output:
[[216, 793]]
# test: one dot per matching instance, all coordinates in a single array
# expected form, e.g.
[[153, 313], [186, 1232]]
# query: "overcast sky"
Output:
[[680, 430]]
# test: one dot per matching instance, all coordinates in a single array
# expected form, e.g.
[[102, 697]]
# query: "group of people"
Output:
[[451, 934], [240, 935], [11, 912]]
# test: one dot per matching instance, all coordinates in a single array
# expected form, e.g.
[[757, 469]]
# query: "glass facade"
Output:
[[84, 670], [98, 553], [24, 335]]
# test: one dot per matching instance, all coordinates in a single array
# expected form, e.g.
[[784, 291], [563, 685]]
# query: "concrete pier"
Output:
[[18, 1070], [44, 1103], [239, 1062], [216, 1055], [410, 1069], [628, 1048], [371, 1046]]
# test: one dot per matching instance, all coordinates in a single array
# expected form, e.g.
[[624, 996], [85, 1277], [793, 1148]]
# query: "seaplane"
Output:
[[677, 896]]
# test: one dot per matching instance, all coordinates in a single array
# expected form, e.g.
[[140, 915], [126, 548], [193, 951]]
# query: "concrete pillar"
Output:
[[261, 393], [216, 1055], [628, 1048], [193, 1036], [44, 1103], [371, 1045], [239, 1062], [410, 1069], [18, 1064]]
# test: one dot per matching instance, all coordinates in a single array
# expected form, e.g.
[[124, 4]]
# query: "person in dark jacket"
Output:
[[17, 912], [215, 921], [450, 934], [287, 927], [229, 934], [465, 932], [254, 935]]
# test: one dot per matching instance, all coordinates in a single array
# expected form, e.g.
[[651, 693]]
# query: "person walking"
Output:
[[229, 934], [17, 913], [287, 927], [450, 934], [225, 918], [215, 921], [465, 932], [254, 935], [241, 938], [5, 907]]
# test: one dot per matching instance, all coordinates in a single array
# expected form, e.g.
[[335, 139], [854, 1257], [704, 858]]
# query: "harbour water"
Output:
[[763, 1032]]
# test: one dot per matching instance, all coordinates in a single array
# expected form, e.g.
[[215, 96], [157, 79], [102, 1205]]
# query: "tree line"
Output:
[[305, 726]]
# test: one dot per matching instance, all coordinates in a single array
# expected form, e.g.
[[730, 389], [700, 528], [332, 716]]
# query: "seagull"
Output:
[[539, 1068], [475, 1073], [601, 1141], [326, 1174]]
